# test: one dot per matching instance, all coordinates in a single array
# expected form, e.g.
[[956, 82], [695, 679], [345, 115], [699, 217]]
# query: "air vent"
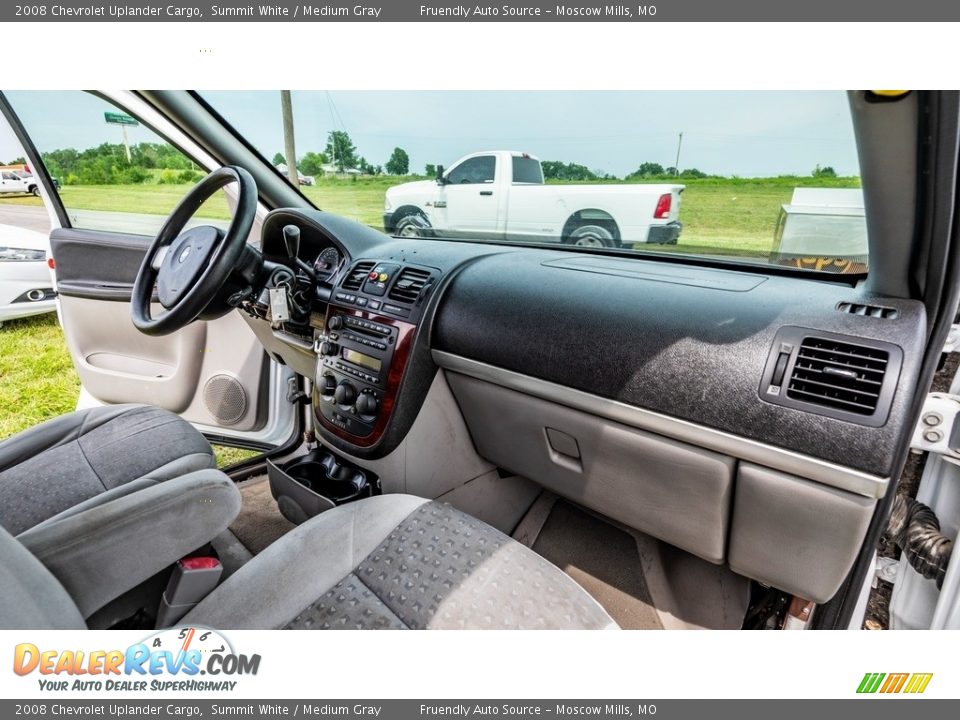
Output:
[[869, 310], [408, 286], [838, 375], [356, 277]]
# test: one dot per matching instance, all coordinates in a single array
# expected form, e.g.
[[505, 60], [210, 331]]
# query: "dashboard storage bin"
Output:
[[316, 482], [794, 534]]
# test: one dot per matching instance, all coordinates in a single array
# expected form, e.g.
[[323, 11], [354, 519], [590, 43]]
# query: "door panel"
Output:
[[117, 363], [471, 210], [97, 265]]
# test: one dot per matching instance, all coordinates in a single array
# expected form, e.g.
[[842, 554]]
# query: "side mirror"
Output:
[[441, 180]]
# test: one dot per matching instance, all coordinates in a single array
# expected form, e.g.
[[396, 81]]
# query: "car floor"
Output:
[[641, 582], [644, 584], [259, 523], [602, 559]]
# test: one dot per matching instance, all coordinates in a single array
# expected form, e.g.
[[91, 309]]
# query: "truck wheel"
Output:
[[591, 236], [413, 225]]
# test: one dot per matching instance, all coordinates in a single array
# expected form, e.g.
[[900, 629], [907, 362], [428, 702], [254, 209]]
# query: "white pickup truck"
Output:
[[501, 195], [18, 181]]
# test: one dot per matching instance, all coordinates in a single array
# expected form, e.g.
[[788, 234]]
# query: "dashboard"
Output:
[[684, 341]]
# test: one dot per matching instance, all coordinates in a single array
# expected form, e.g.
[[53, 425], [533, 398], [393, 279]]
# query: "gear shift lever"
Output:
[[291, 238]]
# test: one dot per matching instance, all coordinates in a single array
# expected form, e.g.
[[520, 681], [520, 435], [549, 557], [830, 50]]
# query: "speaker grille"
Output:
[[225, 399]]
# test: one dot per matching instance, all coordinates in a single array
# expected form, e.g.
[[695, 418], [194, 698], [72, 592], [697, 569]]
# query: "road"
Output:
[[32, 218], [35, 218]]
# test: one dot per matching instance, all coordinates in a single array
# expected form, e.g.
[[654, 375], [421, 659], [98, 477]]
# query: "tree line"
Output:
[[107, 164], [341, 155]]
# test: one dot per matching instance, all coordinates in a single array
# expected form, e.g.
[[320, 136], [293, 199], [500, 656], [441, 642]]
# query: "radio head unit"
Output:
[[364, 344]]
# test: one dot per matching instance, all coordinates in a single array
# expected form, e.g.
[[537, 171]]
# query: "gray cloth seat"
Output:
[[92, 456], [395, 562], [76, 563], [392, 561]]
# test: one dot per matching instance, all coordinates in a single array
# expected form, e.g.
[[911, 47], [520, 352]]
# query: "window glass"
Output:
[[755, 177], [113, 172], [527, 170], [473, 171]]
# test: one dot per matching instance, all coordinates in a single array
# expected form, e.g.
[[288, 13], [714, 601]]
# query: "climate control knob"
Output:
[[367, 404], [329, 348], [327, 385], [335, 323], [345, 394]]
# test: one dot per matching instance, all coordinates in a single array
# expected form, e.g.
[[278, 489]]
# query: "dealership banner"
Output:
[[513, 11], [469, 675]]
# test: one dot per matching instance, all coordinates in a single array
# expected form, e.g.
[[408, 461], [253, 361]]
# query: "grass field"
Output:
[[728, 216], [37, 379]]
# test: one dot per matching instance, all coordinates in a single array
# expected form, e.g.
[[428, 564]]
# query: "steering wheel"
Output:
[[189, 268]]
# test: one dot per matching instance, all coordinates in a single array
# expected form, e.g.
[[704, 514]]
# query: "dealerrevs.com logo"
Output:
[[170, 660], [892, 683]]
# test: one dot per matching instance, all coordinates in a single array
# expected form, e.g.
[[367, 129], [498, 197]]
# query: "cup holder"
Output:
[[316, 482]]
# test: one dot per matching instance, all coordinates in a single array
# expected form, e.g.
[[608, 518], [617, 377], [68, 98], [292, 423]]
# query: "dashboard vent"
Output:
[[355, 279], [869, 310], [838, 375], [408, 285]]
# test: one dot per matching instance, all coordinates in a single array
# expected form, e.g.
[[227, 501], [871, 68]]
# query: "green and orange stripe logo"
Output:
[[912, 683]]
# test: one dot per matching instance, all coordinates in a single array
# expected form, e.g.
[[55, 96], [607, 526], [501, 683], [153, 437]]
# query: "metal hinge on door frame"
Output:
[[938, 430]]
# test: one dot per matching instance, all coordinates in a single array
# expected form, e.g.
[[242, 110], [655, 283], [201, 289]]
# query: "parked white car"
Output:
[[12, 181], [25, 280], [501, 195], [301, 178]]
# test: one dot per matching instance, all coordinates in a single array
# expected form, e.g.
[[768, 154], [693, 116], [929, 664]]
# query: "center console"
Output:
[[363, 344]]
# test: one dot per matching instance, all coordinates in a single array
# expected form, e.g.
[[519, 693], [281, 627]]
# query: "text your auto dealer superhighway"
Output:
[[123, 11]]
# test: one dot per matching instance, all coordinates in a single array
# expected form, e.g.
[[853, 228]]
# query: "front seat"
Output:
[[391, 561], [92, 456]]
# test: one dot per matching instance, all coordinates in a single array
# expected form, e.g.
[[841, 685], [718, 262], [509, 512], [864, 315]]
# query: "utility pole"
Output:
[[676, 164], [289, 148]]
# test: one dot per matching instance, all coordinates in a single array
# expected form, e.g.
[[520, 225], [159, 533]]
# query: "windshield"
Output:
[[758, 177]]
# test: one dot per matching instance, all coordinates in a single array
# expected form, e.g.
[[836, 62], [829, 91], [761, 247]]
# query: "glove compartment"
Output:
[[673, 491]]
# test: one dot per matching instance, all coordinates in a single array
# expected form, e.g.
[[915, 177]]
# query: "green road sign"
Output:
[[115, 118]]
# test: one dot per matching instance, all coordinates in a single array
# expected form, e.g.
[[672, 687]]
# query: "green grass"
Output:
[[360, 200], [230, 455], [729, 219], [38, 381]]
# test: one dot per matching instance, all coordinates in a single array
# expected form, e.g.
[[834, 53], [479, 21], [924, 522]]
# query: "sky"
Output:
[[748, 134]]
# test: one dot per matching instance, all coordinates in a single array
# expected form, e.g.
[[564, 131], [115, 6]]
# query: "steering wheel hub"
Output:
[[185, 260]]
